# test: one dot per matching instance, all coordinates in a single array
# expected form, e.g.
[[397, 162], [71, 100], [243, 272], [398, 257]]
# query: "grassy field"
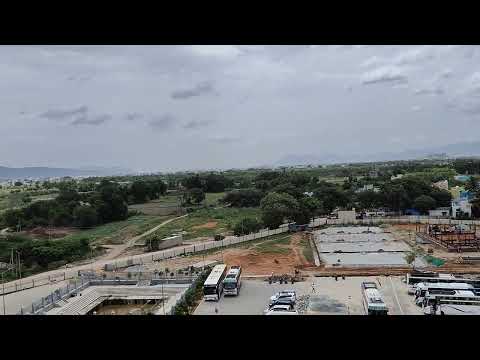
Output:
[[307, 250], [208, 222], [333, 180], [274, 244], [119, 231], [213, 198]]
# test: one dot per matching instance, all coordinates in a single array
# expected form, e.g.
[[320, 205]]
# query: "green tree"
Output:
[[193, 196], [424, 203], [413, 254], [368, 199], [472, 185], [247, 226], [139, 191], [85, 216], [277, 207], [443, 198]]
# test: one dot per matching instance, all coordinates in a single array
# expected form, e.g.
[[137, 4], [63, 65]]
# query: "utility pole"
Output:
[[163, 297], [19, 265], [3, 293]]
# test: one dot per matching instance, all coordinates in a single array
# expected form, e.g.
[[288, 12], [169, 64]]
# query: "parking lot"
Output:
[[331, 297]]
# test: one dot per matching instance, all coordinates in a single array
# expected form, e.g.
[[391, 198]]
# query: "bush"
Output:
[[219, 237], [247, 226]]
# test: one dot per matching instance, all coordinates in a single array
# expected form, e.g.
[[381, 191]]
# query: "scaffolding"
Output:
[[453, 238]]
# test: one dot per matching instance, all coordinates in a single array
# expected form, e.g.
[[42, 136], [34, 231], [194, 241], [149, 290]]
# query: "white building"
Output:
[[396, 177], [460, 206], [442, 185], [368, 187], [442, 212]]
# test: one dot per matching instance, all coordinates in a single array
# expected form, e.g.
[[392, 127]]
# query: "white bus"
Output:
[[438, 288], [233, 281], [460, 300], [415, 278], [373, 303], [213, 286]]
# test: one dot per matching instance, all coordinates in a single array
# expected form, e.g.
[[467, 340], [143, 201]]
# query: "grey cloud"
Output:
[[96, 120], [429, 91], [133, 116], [162, 122], [385, 75], [199, 89], [414, 56], [197, 124], [224, 139], [56, 114], [80, 77], [416, 108]]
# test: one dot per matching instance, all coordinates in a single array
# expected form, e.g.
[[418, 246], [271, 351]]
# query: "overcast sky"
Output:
[[163, 108]]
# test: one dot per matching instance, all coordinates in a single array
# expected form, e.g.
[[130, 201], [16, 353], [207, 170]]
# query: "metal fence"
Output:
[[46, 303], [228, 241]]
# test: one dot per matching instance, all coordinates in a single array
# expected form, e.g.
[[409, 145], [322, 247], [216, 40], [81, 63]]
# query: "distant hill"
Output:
[[466, 149], [8, 173]]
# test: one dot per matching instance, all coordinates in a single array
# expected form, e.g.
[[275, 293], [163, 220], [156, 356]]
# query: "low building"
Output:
[[442, 185], [369, 187], [347, 216], [396, 177], [442, 212], [461, 207]]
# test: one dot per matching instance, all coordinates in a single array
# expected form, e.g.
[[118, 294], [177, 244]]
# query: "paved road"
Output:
[[97, 264]]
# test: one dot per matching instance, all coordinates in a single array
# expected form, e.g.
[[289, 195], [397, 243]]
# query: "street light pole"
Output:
[[3, 294]]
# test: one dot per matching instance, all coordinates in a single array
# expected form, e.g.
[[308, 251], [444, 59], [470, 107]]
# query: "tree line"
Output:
[[298, 197], [107, 203]]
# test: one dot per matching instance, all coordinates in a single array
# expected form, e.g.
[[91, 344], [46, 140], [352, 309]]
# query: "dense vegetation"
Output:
[[39, 255], [107, 203]]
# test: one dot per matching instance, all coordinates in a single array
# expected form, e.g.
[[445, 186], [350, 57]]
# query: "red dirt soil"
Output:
[[208, 225]]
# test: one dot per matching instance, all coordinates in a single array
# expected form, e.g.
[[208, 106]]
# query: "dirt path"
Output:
[[298, 250], [120, 249]]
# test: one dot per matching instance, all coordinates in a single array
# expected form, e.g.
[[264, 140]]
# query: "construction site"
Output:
[[325, 266], [452, 238]]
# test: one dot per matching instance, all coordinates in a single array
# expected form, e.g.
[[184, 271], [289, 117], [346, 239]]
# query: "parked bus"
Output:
[[438, 288], [465, 299], [373, 303], [213, 286], [415, 278], [233, 281]]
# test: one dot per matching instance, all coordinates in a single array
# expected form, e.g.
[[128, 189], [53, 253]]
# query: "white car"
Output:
[[281, 310], [285, 294]]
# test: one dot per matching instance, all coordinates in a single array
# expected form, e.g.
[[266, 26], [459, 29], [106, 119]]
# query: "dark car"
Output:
[[282, 301]]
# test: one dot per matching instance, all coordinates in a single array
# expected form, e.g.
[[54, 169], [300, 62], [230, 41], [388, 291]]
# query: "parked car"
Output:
[[281, 310], [285, 294], [284, 301]]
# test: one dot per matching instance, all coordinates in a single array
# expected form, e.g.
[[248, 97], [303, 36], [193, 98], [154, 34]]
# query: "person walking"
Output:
[[313, 287]]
